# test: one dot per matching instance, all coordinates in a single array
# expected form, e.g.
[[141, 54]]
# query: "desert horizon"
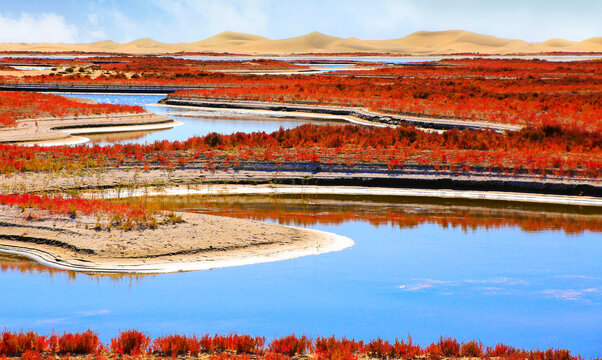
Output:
[[417, 43]]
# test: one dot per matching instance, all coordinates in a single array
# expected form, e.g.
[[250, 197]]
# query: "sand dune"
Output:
[[418, 43]]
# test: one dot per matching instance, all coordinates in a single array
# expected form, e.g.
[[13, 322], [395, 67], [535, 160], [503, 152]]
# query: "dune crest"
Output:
[[418, 43]]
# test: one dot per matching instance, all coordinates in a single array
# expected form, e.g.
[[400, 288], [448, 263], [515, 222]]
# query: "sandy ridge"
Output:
[[57, 131], [418, 43]]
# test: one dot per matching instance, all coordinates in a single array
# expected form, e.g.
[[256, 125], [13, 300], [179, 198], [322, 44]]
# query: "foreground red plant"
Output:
[[291, 345], [12, 344], [130, 342], [78, 343], [31, 346]]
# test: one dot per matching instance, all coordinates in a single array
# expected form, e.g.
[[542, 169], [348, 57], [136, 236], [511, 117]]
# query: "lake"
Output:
[[195, 122], [462, 269]]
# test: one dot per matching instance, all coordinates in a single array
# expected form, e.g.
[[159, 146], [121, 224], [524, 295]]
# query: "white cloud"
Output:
[[199, 19], [34, 28]]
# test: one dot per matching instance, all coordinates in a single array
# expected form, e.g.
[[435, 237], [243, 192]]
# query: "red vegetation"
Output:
[[291, 345], [31, 346], [530, 92], [123, 216], [540, 152], [472, 349], [332, 348], [29, 342], [173, 345], [16, 105], [78, 343], [130, 342]]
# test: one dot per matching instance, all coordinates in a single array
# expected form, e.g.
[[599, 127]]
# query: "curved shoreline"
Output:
[[360, 113], [333, 243], [201, 242]]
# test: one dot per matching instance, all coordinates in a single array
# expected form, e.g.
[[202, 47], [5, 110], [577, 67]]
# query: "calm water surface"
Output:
[[526, 288], [195, 121]]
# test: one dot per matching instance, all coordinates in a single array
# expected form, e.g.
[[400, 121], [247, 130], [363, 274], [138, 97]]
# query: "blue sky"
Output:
[[192, 20]]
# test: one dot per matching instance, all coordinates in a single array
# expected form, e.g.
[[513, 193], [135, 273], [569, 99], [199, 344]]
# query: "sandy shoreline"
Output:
[[202, 242], [129, 181]]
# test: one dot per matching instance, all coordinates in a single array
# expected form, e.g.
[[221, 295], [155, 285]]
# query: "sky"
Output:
[[82, 21]]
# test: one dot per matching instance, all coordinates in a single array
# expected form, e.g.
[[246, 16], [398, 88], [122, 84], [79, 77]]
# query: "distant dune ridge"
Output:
[[418, 43]]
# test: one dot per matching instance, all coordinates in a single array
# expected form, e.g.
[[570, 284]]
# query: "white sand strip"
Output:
[[233, 189], [117, 129]]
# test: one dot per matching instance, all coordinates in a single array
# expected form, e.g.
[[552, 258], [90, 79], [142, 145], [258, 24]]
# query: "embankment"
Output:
[[361, 113]]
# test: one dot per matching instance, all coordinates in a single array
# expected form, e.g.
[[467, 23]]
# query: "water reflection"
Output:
[[311, 210], [25, 266], [482, 279]]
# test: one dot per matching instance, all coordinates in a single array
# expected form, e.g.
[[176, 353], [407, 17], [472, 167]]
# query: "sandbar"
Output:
[[202, 242]]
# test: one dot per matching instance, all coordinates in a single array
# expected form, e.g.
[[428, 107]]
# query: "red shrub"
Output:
[[405, 350], [557, 354], [472, 348], [449, 347], [433, 351], [291, 345], [500, 350], [379, 347], [245, 343], [194, 345], [219, 343], [78, 343], [171, 345], [18, 343], [334, 349], [132, 342]]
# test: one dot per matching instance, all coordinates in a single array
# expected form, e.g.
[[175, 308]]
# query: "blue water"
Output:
[[532, 290], [527, 289], [195, 122]]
